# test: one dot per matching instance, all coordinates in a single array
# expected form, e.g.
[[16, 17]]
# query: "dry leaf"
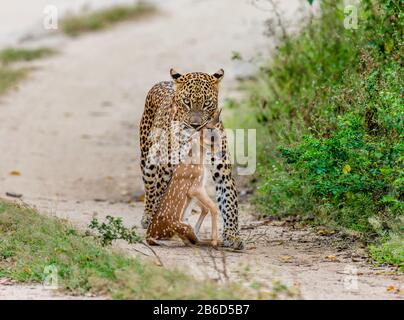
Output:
[[331, 258], [286, 258], [15, 173], [158, 263], [325, 232], [27, 269], [13, 195], [391, 288]]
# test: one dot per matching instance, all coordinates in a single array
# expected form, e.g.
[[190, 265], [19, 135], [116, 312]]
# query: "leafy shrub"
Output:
[[113, 229], [390, 252], [328, 108]]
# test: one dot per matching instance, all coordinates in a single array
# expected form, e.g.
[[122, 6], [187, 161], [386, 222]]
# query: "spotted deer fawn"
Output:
[[186, 187]]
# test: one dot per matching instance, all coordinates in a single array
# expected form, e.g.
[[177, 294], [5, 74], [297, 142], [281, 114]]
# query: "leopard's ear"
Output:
[[219, 75], [174, 74]]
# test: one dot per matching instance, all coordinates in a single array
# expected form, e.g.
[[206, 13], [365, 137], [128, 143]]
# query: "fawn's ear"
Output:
[[216, 118], [174, 74], [219, 75]]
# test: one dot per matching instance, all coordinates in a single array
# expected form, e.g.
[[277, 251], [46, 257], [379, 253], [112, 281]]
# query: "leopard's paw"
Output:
[[145, 222], [234, 242]]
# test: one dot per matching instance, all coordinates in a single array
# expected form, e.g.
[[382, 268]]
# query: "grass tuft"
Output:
[[11, 55], [390, 252], [101, 19], [10, 77]]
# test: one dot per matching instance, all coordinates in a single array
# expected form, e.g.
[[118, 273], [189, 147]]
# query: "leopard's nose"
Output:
[[195, 119]]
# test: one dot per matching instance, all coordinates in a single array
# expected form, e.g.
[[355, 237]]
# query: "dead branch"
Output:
[[254, 225], [154, 252]]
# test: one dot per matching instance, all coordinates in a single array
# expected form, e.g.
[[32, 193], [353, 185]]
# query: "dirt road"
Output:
[[71, 130]]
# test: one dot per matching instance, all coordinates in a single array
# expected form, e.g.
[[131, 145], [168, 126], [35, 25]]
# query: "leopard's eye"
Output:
[[207, 103], [186, 103]]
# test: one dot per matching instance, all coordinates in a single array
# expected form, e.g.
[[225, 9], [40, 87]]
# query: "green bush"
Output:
[[390, 252], [329, 113], [113, 229]]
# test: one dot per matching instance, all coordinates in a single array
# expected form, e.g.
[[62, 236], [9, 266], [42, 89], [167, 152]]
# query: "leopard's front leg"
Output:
[[226, 195], [149, 172], [151, 165]]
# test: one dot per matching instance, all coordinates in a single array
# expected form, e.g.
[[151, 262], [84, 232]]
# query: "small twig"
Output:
[[233, 250], [279, 19], [254, 225], [278, 16], [154, 252], [260, 235], [214, 263], [14, 195], [224, 263], [256, 237], [200, 252], [141, 252], [247, 240], [223, 273]]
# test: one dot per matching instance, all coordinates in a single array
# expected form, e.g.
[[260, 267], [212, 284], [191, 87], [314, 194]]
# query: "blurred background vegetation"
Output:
[[329, 113]]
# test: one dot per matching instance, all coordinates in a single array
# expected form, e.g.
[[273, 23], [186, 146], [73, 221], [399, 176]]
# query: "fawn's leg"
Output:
[[204, 212], [201, 195], [151, 242], [158, 229], [185, 232], [152, 235]]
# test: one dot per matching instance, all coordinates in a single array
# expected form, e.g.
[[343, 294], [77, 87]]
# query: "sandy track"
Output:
[[72, 132], [36, 292]]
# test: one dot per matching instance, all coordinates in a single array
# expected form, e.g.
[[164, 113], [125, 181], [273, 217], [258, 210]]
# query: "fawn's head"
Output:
[[207, 140], [211, 133]]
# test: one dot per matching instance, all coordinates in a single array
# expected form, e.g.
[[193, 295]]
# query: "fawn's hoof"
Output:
[[151, 242]]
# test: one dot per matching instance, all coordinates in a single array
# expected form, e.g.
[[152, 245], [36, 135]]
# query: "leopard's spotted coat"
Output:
[[172, 107]]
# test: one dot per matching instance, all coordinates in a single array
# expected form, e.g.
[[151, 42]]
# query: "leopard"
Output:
[[173, 109]]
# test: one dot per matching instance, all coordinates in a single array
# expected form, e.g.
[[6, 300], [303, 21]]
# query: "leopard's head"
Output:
[[196, 97]]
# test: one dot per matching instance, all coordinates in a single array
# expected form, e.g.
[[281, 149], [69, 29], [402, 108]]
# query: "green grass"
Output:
[[390, 251], [104, 18], [10, 77], [29, 242], [328, 109], [10, 55]]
